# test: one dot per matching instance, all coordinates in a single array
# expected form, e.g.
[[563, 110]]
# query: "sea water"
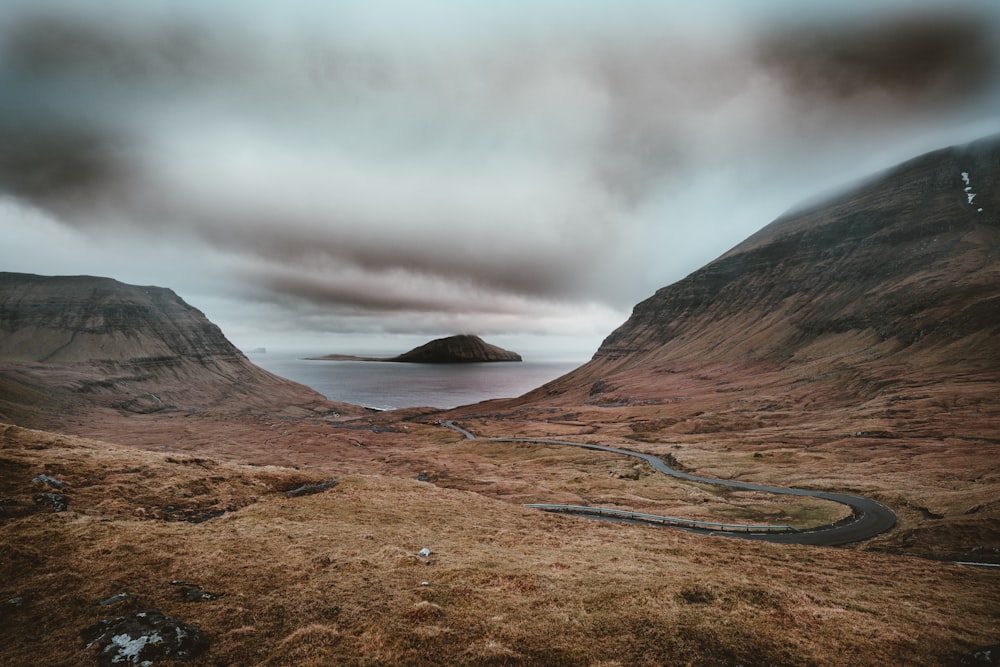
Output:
[[389, 385]]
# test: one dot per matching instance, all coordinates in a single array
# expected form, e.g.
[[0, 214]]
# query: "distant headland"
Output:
[[463, 349]]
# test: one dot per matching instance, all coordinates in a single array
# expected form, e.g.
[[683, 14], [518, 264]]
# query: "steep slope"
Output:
[[456, 350], [67, 319], [70, 338], [901, 273]]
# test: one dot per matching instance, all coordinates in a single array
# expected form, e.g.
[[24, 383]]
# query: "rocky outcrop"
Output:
[[903, 271], [457, 350], [144, 638], [311, 488], [135, 348]]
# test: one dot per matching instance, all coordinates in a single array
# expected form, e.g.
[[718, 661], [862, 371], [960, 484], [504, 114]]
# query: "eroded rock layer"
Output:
[[138, 348]]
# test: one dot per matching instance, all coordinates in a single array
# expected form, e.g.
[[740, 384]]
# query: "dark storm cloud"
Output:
[[52, 162], [66, 81], [940, 59], [357, 292], [409, 257], [70, 45]]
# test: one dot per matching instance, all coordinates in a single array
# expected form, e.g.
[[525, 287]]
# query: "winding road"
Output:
[[868, 518]]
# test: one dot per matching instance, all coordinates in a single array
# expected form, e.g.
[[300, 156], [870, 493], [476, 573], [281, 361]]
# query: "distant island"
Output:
[[463, 349]]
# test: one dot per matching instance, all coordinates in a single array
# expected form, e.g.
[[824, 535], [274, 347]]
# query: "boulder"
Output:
[[54, 501], [988, 655], [309, 489], [45, 479]]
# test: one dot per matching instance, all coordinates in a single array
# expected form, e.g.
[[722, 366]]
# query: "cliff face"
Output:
[[139, 348], [66, 319], [902, 271], [457, 350]]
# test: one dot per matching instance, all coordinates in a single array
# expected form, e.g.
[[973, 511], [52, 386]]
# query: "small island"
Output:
[[463, 349]]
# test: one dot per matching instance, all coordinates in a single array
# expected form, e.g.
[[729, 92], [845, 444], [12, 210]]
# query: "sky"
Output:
[[364, 176]]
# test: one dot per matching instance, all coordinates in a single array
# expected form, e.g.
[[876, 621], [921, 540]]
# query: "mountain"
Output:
[[143, 349], [456, 350], [895, 279], [71, 319]]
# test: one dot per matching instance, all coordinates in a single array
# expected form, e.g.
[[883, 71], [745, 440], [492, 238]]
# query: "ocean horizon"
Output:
[[393, 385]]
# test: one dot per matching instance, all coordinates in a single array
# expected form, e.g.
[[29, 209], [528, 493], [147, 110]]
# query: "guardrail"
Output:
[[661, 520]]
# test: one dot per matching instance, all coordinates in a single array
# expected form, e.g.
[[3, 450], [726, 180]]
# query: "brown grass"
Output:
[[335, 578], [924, 444]]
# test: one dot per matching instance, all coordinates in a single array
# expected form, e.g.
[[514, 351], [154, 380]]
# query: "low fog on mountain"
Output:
[[333, 173]]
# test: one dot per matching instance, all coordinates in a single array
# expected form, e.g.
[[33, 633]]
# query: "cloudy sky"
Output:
[[358, 176]]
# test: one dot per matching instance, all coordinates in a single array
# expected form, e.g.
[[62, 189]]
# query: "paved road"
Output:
[[868, 519]]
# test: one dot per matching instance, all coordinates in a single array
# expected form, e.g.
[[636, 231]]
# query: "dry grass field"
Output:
[[335, 578]]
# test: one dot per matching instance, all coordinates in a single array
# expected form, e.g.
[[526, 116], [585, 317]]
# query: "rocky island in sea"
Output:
[[462, 349]]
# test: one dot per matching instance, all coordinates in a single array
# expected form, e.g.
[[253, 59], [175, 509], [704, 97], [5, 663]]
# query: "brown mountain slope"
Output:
[[901, 274], [72, 340]]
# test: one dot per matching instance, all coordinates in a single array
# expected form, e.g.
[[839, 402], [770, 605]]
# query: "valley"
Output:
[[850, 348]]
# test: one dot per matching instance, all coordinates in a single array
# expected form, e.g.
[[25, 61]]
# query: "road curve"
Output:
[[868, 518]]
